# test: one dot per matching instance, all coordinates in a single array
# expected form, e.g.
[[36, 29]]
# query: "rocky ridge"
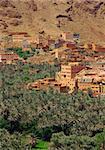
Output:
[[54, 16]]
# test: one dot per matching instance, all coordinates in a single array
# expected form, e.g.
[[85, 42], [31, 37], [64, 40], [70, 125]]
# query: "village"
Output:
[[82, 65]]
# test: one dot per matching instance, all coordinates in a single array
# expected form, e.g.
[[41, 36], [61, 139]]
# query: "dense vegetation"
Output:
[[68, 122], [21, 53], [28, 53]]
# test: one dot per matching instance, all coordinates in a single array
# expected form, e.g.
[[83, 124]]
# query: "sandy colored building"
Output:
[[67, 75], [67, 36], [91, 78], [68, 72], [45, 84], [9, 58], [85, 86], [18, 36]]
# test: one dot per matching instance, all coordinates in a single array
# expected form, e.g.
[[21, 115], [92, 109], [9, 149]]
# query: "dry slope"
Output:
[[54, 16]]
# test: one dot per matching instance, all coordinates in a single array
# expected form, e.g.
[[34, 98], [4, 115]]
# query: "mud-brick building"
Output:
[[67, 75], [9, 58], [45, 84]]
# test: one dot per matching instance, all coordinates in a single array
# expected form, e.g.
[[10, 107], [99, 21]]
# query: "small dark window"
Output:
[[42, 83]]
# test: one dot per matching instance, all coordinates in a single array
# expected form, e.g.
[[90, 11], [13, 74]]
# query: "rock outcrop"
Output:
[[54, 16]]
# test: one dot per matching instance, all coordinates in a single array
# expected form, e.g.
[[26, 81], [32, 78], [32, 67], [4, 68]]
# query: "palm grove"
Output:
[[68, 122]]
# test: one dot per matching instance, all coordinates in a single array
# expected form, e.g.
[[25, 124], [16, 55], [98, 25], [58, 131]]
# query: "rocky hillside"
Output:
[[86, 17]]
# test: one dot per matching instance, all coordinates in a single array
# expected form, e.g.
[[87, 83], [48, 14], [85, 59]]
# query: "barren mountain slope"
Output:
[[54, 16]]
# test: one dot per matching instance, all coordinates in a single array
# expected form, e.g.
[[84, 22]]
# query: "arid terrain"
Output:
[[54, 16], [52, 74]]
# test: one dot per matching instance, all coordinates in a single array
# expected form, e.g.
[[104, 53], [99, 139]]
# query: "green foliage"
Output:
[[3, 123], [22, 54], [79, 117], [10, 142], [99, 140], [74, 142], [41, 145]]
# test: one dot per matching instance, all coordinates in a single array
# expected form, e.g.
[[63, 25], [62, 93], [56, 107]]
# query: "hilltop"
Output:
[[54, 16]]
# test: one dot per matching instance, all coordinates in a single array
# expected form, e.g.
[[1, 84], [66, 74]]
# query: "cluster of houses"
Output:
[[82, 68], [74, 76], [82, 64], [9, 58], [24, 40]]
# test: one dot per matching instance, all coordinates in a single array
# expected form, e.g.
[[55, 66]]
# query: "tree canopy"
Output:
[[68, 121]]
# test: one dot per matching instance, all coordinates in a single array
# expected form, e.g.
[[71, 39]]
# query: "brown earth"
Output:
[[83, 16]]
